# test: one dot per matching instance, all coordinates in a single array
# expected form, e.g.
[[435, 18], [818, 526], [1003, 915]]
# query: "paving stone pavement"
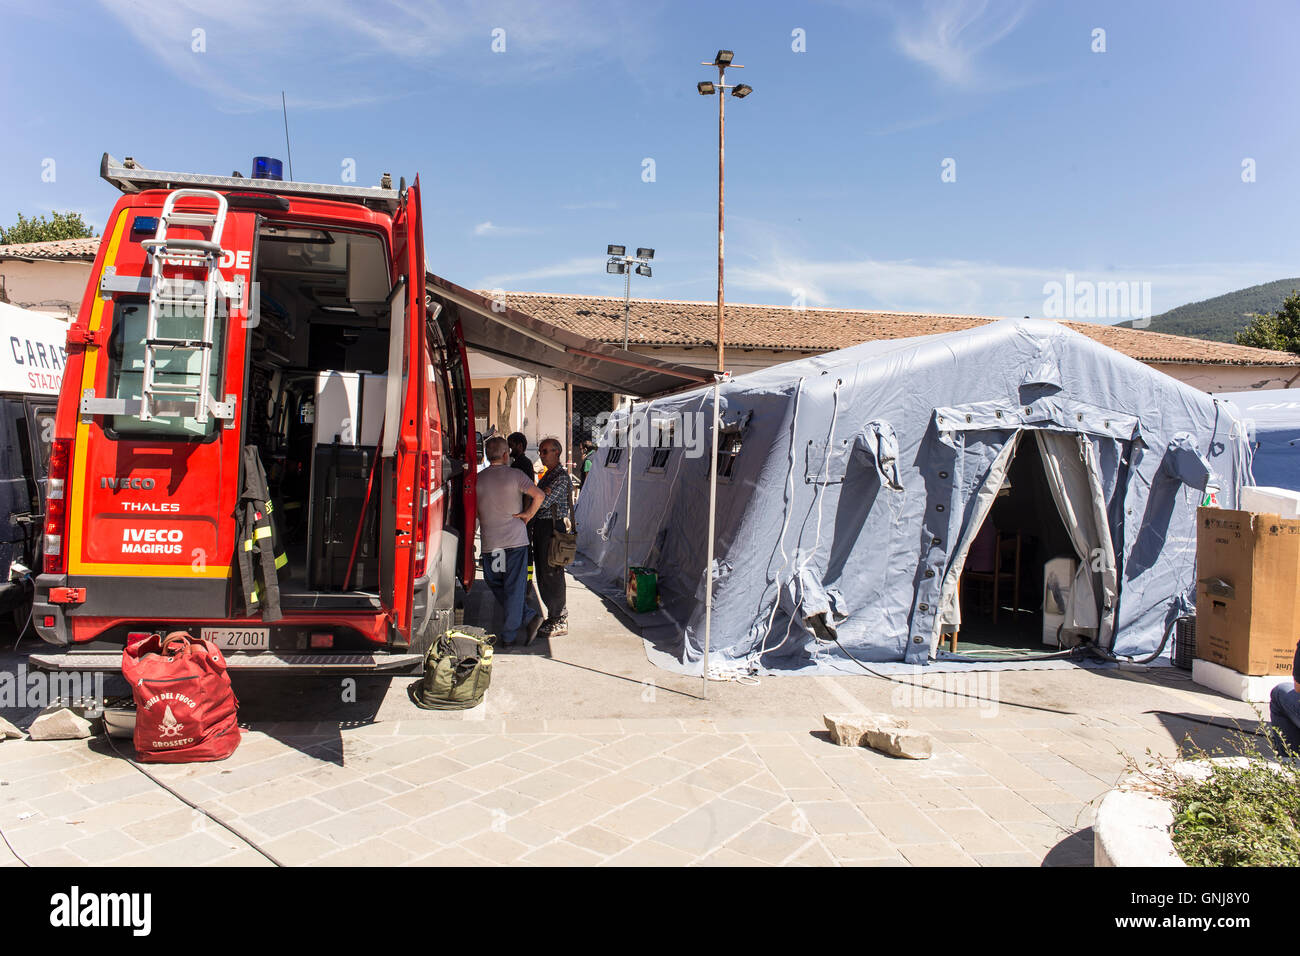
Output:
[[615, 791], [748, 777]]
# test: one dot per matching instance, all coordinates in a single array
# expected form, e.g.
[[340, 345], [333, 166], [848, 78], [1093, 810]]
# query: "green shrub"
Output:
[[61, 225], [1243, 813]]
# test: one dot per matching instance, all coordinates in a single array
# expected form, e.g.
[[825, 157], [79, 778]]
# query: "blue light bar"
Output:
[[264, 167]]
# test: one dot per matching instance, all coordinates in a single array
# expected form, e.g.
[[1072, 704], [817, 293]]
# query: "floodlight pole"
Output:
[[722, 99], [706, 88], [627, 303], [627, 507], [713, 509]]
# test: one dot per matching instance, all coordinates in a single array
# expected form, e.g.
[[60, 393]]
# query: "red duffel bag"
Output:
[[185, 708]]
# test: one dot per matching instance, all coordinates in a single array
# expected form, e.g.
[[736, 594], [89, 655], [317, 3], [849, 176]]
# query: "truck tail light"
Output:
[[56, 506], [422, 514]]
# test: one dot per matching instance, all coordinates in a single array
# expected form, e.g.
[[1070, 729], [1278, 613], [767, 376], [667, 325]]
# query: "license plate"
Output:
[[239, 638]]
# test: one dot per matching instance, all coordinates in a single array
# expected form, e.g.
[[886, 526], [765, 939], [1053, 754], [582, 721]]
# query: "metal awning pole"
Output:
[[713, 509], [627, 507], [627, 301]]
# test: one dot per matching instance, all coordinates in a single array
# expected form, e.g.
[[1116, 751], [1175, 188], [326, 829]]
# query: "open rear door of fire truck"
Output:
[[464, 486], [405, 448]]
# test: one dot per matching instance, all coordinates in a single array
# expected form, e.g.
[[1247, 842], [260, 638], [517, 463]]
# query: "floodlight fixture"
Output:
[[621, 264], [741, 91], [705, 87], [723, 58]]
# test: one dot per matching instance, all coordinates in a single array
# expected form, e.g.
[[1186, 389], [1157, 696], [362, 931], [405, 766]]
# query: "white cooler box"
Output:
[[344, 399], [1282, 502]]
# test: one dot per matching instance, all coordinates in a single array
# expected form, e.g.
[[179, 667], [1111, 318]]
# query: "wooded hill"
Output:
[[1220, 318]]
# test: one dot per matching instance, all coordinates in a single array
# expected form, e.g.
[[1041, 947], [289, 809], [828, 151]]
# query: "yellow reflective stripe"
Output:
[[268, 507], [261, 533], [281, 560], [248, 544]]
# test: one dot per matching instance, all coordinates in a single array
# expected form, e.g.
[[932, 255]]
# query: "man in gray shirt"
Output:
[[504, 532]]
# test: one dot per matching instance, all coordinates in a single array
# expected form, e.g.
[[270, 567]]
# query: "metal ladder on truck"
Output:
[[170, 296]]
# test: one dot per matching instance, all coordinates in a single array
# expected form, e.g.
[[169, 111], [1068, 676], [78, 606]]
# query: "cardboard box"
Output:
[[1248, 591]]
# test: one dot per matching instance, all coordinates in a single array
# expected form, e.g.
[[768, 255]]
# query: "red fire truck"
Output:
[[230, 320]]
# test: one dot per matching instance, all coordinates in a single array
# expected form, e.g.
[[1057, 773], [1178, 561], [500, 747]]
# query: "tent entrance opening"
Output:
[[1018, 561]]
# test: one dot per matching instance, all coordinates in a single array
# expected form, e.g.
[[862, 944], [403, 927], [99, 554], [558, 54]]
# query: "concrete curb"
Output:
[[1131, 828]]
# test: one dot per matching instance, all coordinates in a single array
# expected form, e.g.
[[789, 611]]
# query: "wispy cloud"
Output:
[[490, 228], [949, 37], [909, 124], [967, 287], [570, 268], [350, 52]]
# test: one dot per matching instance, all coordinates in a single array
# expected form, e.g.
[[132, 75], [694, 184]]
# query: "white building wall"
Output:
[[53, 286], [1230, 378], [521, 401], [551, 417]]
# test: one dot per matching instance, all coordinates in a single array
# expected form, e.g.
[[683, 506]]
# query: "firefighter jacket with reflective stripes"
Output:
[[257, 544]]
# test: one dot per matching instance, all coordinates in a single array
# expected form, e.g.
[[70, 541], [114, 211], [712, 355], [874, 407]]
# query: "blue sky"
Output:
[[1118, 165]]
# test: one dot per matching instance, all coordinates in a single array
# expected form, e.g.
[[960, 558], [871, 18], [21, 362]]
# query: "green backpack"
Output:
[[457, 671]]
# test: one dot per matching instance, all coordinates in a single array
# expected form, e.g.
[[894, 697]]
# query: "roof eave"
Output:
[[77, 258]]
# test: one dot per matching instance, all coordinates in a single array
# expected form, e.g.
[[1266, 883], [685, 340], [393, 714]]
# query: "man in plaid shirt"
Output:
[[556, 509]]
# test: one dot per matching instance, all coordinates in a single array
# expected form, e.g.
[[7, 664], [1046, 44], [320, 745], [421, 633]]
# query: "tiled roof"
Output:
[[668, 322], [665, 322], [56, 250], [1161, 347]]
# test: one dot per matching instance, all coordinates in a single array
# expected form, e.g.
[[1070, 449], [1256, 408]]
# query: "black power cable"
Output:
[[1213, 723], [12, 850], [954, 693], [193, 806], [1266, 734], [1169, 629]]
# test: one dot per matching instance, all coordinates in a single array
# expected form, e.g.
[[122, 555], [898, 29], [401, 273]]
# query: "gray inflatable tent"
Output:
[[1272, 420], [852, 485]]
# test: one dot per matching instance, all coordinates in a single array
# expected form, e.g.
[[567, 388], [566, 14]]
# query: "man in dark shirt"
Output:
[[518, 443], [554, 514], [1284, 708]]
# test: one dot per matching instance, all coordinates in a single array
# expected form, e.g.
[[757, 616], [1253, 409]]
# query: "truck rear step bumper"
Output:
[[304, 664]]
